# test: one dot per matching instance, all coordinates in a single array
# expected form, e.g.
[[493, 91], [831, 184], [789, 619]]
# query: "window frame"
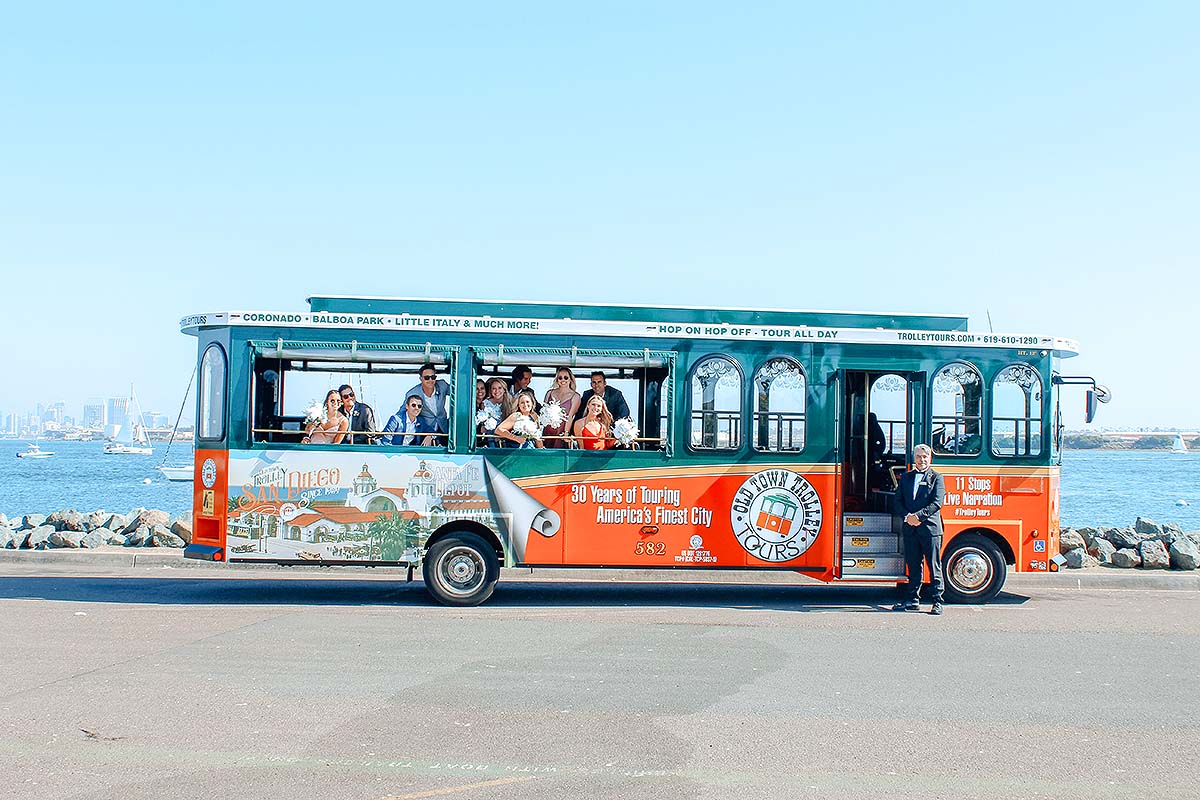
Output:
[[957, 419], [755, 413], [739, 415], [204, 395], [1039, 419]]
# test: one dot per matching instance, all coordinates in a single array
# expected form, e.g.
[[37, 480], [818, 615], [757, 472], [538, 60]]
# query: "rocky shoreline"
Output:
[[72, 530], [1145, 545]]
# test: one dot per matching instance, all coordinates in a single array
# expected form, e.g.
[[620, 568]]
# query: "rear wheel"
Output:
[[973, 569], [461, 570]]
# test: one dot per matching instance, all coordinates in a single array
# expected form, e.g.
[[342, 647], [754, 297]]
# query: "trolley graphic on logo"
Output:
[[776, 515]]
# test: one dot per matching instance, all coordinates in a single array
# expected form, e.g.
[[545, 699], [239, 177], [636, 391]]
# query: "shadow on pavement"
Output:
[[511, 594]]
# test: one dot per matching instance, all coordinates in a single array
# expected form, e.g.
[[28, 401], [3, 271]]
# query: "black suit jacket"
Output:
[[362, 420], [927, 505], [614, 401]]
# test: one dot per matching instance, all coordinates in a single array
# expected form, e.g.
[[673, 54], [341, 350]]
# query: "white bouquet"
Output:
[[525, 426], [552, 415], [488, 421], [315, 413], [624, 431]]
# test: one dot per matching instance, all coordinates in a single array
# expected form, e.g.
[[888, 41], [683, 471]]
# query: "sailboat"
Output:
[[179, 473], [1178, 446], [131, 439]]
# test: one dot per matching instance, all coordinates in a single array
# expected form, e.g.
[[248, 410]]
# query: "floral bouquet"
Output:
[[624, 431], [552, 416], [527, 427], [315, 413], [488, 421]]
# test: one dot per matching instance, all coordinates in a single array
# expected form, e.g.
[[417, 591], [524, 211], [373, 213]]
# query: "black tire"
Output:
[[973, 569], [461, 569]]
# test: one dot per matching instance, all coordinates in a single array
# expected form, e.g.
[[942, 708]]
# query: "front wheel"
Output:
[[461, 570], [973, 569]]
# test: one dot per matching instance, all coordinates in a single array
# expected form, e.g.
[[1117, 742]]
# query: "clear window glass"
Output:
[[889, 407], [1017, 411], [211, 393], [779, 403], [716, 389], [957, 410]]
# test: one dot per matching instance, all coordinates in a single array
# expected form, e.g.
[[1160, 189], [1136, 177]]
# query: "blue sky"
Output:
[[1036, 163]]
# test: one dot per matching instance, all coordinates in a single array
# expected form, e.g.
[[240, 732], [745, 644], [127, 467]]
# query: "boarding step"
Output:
[[870, 544], [878, 567], [866, 523]]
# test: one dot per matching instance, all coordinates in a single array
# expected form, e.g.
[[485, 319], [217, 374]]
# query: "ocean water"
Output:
[[1099, 487]]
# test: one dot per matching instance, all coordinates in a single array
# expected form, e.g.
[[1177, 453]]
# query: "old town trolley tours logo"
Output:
[[776, 515]]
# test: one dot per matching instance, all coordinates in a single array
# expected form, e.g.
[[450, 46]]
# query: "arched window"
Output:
[[889, 406], [716, 404], [211, 393], [957, 410], [779, 402], [1017, 411]]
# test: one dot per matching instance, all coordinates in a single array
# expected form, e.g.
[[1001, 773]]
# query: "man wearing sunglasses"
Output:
[[434, 394], [361, 416]]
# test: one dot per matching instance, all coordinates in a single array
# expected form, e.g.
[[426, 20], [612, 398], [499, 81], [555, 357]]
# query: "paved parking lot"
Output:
[[156, 681]]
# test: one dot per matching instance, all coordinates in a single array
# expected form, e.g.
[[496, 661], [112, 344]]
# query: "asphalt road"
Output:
[[156, 682]]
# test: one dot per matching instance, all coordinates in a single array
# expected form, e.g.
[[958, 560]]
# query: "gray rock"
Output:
[[182, 528], [19, 539], [162, 537], [1146, 527], [1184, 554], [138, 536], [110, 536], [1079, 559], [115, 522], [66, 520], [68, 539], [92, 539], [4, 522], [39, 537], [145, 516], [1088, 534], [1171, 527], [6, 535], [1154, 555], [1124, 538], [96, 519], [1102, 550], [1070, 540], [31, 521], [1126, 558]]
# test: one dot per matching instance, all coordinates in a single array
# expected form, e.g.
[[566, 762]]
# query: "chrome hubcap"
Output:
[[462, 570], [970, 570]]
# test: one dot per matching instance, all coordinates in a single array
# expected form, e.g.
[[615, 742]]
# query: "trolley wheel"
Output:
[[973, 569], [461, 570]]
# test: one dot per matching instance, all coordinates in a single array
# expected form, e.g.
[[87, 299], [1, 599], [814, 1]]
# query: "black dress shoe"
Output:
[[906, 606], [936, 610]]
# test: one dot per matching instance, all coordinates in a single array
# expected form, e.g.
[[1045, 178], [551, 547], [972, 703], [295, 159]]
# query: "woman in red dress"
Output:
[[594, 431]]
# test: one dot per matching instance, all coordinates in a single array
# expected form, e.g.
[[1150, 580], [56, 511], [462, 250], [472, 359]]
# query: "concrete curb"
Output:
[[1096, 578]]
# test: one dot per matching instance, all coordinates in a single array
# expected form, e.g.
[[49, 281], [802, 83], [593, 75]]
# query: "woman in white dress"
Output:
[[333, 429]]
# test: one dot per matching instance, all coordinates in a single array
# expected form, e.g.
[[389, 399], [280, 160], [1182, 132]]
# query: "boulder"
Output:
[[96, 519], [1154, 555], [67, 520], [1124, 538], [92, 539], [115, 522], [182, 527], [31, 521], [6, 535], [1079, 559], [68, 539], [1102, 550], [110, 536], [39, 536], [1126, 558], [138, 536], [1184, 554], [1146, 527], [1088, 534], [1070, 540], [18, 540], [161, 536], [4, 521], [147, 517]]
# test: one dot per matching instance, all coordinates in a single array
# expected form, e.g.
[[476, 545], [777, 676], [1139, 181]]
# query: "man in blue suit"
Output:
[[918, 501], [408, 427]]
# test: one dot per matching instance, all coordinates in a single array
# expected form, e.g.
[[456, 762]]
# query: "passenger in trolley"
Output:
[[567, 396], [521, 427], [594, 431], [332, 429]]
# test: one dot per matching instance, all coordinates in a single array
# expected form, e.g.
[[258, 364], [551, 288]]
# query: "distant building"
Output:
[[118, 411], [94, 413]]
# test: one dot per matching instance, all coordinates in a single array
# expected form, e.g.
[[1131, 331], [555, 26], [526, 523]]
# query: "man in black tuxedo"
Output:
[[918, 500], [361, 416]]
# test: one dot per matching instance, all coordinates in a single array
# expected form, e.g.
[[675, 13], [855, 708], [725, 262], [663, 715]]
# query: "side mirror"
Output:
[[1094, 398]]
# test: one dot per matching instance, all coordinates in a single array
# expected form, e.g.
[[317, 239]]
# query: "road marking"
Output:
[[454, 789]]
